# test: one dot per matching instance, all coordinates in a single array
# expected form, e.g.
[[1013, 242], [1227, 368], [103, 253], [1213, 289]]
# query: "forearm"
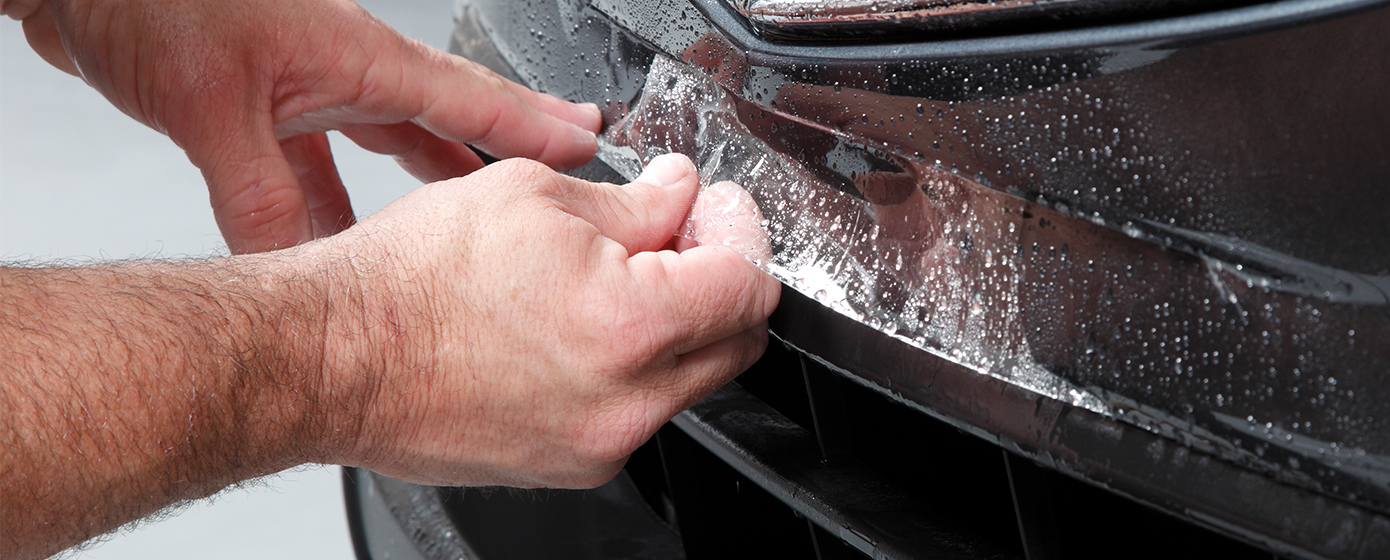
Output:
[[130, 387], [461, 336]]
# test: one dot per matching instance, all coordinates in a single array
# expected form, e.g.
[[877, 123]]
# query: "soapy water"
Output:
[[891, 266]]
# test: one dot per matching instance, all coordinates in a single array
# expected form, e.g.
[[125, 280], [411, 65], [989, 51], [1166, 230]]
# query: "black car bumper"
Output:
[[1164, 241]]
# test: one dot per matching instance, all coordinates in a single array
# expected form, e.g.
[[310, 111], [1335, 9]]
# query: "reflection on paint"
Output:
[[1125, 319]]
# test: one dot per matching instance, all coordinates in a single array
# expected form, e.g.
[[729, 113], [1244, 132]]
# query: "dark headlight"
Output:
[[920, 19]]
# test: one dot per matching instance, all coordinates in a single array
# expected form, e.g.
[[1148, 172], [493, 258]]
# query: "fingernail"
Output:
[[582, 135], [593, 109], [666, 170]]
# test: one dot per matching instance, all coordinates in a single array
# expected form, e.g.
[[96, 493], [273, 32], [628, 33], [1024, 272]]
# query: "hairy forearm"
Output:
[[464, 335], [129, 387]]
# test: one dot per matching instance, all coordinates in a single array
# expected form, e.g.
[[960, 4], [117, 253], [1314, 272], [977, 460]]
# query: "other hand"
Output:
[[248, 89]]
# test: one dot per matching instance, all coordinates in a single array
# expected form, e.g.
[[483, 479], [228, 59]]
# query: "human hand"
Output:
[[532, 336], [725, 214], [248, 89]]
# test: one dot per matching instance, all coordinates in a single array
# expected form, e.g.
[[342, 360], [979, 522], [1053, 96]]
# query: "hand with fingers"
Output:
[[552, 337], [532, 336], [248, 89]]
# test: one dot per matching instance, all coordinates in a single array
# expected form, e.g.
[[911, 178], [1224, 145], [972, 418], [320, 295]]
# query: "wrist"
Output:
[[274, 308], [370, 336]]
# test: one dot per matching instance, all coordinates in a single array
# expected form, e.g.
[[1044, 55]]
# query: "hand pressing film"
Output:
[[725, 214], [550, 333]]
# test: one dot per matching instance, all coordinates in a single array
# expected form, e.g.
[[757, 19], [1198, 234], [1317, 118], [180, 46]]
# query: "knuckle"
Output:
[[755, 295], [265, 209], [490, 125], [525, 174], [617, 336], [631, 340], [726, 304], [518, 167], [491, 80]]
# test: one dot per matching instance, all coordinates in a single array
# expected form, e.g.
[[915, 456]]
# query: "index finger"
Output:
[[703, 295], [464, 102]]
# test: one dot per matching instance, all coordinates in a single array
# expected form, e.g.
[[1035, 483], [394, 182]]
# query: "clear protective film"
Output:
[[1127, 319], [1182, 236], [883, 258]]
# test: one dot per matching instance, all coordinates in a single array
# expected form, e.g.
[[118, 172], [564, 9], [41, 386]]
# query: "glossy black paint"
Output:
[[1119, 457], [881, 481], [1086, 281], [1255, 123], [1132, 157]]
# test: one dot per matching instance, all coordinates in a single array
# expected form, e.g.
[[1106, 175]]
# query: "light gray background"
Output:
[[79, 181]]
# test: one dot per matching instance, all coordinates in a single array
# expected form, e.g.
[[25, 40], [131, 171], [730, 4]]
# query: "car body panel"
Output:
[[1150, 255]]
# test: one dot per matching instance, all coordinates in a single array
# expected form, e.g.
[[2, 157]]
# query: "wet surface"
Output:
[[1186, 237], [1097, 317]]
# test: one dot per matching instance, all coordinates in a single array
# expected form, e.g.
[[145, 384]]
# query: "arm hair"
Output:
[[129, 387]]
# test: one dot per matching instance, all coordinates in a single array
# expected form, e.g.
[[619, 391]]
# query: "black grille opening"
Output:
[[1007, 500], [933, 462], [722, 514]]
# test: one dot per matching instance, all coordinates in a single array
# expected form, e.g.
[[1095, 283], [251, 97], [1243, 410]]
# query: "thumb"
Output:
[[256, 196], [725, 214], [642, 215]]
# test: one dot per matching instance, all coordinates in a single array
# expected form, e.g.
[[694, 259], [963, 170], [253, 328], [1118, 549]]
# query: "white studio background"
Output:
[[81, 182]]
